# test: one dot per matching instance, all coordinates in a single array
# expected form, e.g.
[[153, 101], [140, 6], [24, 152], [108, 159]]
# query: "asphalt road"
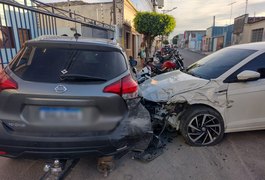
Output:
[[238, 156], [190, 57]]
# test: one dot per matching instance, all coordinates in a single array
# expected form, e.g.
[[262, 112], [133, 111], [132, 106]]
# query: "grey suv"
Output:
[[62, 97]]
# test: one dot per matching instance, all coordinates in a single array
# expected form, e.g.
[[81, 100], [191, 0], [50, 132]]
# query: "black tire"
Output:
[[202, 126]]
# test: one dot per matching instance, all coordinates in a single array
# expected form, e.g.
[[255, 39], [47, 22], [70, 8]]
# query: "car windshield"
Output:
[[216, 64]]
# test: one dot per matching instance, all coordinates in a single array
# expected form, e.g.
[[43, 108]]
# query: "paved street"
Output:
[[239, 156], [190, 57]]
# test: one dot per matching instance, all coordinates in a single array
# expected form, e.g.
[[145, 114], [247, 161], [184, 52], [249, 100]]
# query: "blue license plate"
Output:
[[66, 114]]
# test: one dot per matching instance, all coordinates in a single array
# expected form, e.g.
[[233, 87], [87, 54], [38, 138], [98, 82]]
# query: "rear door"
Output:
[[61, 90]]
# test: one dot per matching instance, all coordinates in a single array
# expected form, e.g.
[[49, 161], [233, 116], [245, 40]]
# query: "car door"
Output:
[[246, 110]]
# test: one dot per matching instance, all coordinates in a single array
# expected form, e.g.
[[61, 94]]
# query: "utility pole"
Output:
[[246, 9], [114, 12], [69, 4], [164, 12], [69, 9], [231, 11]]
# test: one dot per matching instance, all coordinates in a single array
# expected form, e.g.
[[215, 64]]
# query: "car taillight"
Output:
[[6, 82], [3, 153], [126, 87]]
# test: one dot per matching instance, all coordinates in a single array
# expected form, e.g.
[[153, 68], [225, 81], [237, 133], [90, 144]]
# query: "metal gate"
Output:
[[21, 20]]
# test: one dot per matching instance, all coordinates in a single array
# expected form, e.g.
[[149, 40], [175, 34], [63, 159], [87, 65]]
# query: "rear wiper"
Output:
[[80, 77]]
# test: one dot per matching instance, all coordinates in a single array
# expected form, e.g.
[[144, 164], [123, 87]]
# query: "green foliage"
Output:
[[175, 40], [154, 24], [165, 42]]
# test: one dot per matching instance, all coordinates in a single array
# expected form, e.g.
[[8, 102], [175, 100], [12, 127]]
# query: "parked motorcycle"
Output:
[[159, 64], [169, 62], [143, 74]]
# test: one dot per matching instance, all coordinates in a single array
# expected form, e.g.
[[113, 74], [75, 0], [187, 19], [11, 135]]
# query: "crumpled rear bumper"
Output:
[[133, 133]]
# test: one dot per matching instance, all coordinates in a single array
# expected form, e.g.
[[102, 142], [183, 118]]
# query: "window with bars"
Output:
[[6, 37], [257, 35], [24, 35]]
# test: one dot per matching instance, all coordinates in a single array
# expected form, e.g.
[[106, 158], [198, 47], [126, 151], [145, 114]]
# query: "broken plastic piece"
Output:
[[105, 165]]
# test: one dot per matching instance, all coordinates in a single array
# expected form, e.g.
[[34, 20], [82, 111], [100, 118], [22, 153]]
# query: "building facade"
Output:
[[101, 13], [122, 18], [193, 39], [143, 5], [218, 37], [248, 29]]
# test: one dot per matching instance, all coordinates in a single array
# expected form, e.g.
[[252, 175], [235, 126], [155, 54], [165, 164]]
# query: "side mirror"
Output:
[[248, 75]]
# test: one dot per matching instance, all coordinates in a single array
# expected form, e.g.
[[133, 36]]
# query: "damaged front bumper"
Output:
[[133, 133]]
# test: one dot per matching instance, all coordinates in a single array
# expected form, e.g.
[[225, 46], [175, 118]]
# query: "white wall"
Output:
[[143, 5]]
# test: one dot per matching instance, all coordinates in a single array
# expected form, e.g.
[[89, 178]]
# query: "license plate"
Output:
[[63, 114]]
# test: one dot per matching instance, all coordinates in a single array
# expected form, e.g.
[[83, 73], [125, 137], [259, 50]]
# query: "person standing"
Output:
[[132, 61], [142, 53]]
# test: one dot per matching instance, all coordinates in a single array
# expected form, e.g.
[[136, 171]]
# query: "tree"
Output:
[[175, 39], [152, 24], [165, 42]]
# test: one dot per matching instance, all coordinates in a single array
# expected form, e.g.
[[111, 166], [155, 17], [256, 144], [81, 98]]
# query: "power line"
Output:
[[231, 11], [246, 9]]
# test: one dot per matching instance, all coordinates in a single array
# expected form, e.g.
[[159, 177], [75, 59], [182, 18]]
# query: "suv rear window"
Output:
[[42, 64]]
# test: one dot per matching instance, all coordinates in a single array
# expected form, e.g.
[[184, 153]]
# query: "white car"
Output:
[[223, 92]]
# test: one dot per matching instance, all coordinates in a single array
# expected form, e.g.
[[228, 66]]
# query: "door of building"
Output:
[[133, 46]]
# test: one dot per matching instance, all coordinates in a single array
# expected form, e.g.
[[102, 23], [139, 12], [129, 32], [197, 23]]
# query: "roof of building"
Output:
[[252, 20]]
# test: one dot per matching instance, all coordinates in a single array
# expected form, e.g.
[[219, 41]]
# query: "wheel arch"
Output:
[[198, 105], [188, 113]]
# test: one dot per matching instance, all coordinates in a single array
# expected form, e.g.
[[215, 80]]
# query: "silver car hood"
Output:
[[162, 87]]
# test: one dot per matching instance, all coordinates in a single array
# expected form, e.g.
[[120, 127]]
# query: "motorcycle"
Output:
[[143, 74], [169, 62], [158, 65]]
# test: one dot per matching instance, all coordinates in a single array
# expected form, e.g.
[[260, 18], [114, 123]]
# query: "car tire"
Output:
[[202, 126]]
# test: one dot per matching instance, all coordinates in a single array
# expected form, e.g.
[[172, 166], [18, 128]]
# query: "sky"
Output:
[[198, 14]]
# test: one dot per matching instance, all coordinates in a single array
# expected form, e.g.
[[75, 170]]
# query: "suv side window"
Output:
[[257, 64]]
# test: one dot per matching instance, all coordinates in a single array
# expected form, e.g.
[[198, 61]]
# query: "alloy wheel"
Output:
[[204, 129]]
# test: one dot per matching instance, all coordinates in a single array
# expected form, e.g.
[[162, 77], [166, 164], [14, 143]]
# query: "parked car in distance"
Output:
[[63, 97], [221, 93]]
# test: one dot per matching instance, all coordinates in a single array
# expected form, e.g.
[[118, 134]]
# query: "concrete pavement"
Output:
[[239, 156]]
